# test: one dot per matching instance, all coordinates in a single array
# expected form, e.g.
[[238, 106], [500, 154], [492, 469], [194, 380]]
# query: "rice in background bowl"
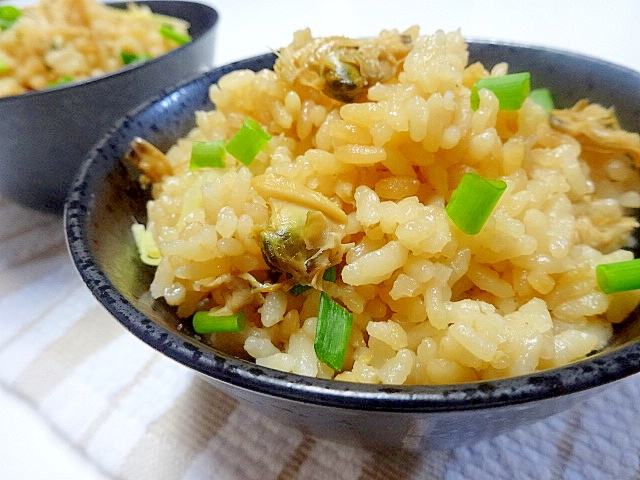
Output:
[[46, 133], [59, 41], [431, 304]]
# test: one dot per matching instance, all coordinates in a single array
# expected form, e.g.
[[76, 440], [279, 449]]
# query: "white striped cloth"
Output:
[[138, 415]]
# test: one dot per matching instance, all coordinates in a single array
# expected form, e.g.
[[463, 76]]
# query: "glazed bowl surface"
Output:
[[46, 133], [105, 198]]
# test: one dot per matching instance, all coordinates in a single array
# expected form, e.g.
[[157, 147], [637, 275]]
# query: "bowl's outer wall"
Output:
[[106, 197], [409, 430], [45, 135]]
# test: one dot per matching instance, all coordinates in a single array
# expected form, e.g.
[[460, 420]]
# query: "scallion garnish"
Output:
[[168, 32], [207, 154], [147, 248], [330, 274], [473, 201], [4, 66], [128, 57], [333, 329], [204, 322], [61, 81], [542, 96], [619, 276], [8, 16], [248, 141], [511, 90], [298, 288]]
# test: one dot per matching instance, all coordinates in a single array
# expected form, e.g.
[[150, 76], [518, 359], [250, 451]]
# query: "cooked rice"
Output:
[[431, 305], [78, 39]]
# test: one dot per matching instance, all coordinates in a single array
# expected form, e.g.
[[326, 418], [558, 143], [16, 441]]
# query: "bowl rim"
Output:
[[576, 377], [213, 18]]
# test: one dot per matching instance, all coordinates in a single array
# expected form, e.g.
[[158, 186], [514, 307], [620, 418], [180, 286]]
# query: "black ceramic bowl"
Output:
[[104, 200], [44, 135]]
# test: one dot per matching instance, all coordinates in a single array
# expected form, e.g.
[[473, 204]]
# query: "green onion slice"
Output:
[[207, 154], [8, 16], [4, 67], [511, 90], [473, 201], [168, 32], [248, 141], [330, 274], [542, 96], [147, 248], [205, 322], [128, 57], [297, 289], [61, 81], [332, 332], [619, 276]]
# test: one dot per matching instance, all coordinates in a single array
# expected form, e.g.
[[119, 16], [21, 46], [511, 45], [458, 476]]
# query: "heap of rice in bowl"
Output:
[[59, 41], [355, 179]]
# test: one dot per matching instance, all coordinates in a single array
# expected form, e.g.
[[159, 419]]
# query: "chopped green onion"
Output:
[[204, 322], [9, 12], [128, 57], [542, 96], [61, 81], [248, 141], [147, 248], [330, 274], [511, 90], [8, 16], [168, 32], [297, 289], [207, 154], [4, 66], [333, 329], [619, 276], [473, 201]]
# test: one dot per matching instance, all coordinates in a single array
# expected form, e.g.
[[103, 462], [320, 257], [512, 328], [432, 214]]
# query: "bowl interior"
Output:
[[105, 198]]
